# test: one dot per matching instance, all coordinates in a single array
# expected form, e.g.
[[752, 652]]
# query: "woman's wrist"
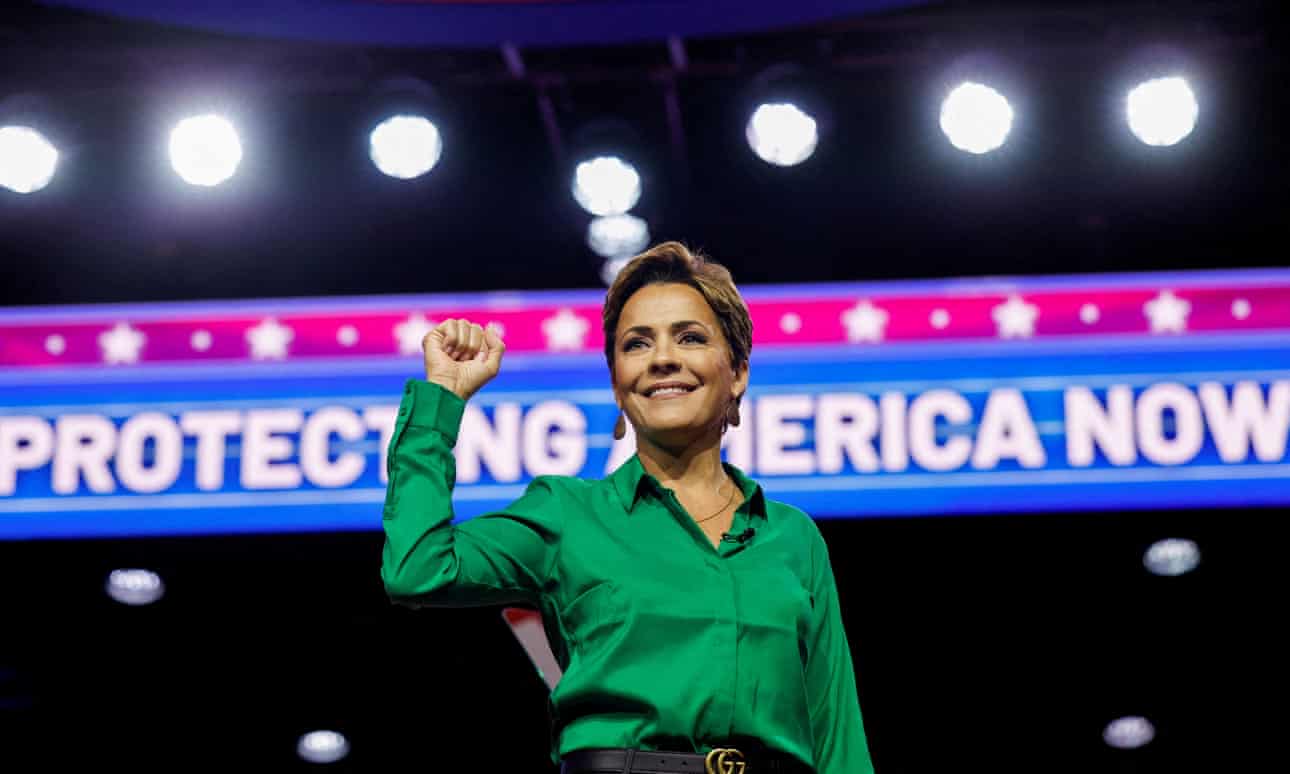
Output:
[[448, 384]]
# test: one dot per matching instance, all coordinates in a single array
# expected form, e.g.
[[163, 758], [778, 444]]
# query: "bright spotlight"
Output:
[[781, 134], [976, 118], [617, 236], [1172, 556], [1128, 732], [135, 587], [611, 268], [606, 185], [204, 150], [1162, 111], [27, 160], [406, 146], [322, 746]]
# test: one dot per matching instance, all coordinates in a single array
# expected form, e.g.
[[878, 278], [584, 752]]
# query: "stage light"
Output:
[[1128, 733], [606, 185], [322, 746], [135, 587], [611, 268], [781, 134], [617, 236], [1162, 111], [406, 146], [976, 118], [205, 150], [1173, 556], [27, 159]]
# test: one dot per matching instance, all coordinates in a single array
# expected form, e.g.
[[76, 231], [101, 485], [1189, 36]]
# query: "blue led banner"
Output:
[[1134, 391]]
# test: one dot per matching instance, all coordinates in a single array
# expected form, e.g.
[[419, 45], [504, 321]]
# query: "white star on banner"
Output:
[[411, 331], [201, 340], [1241, 309], [1089, 314], [347, 336], [55, 344], [1015, 318], [790, 323], [565, 331], [864, 322], [269, 340], [1167, 313], [121, 344]]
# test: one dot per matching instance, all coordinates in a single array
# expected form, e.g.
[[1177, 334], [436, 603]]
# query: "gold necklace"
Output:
[[733, 489]]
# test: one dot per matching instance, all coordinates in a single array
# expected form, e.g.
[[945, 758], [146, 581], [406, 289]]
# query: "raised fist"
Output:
[[462, 356]]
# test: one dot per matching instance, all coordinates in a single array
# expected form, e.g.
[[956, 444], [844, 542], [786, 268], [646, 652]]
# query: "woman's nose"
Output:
[[664, 356]]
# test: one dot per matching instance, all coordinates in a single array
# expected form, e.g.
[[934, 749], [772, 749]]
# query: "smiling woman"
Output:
[[680, 368], [695, 620], [676, 374]]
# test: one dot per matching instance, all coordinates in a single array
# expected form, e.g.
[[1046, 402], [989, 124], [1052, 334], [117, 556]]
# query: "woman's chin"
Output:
[[674, 436]]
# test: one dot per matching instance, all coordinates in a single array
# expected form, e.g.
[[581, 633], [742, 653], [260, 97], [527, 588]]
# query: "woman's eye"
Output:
[[692, 337], [633, 344]]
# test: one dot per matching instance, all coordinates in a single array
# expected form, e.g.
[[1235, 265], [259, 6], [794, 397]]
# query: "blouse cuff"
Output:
[[429, 406]]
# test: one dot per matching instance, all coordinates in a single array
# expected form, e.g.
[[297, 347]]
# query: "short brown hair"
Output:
[[674, 262]]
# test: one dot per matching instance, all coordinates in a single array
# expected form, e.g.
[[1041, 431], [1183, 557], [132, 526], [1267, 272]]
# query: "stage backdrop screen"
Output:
[[890, 399]]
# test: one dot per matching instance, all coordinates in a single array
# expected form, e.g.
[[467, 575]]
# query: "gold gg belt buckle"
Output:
[[724, 760]]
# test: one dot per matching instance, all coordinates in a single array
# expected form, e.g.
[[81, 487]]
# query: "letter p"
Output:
[[26, 443]]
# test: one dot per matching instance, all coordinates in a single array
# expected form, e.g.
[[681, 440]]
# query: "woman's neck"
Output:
[[694, 468]]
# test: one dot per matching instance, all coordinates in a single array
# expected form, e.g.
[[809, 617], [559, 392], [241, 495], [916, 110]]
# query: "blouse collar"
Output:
[[631, 478]]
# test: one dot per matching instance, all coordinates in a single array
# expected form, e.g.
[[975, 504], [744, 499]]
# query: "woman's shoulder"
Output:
[[554, 482], [553, 499], [786, 512], [573, 487], [791, 518]]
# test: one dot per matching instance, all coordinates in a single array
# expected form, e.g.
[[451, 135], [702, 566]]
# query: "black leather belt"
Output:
[[721, 760]]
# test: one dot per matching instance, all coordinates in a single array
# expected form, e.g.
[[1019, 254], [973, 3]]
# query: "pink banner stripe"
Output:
[[541, 324]]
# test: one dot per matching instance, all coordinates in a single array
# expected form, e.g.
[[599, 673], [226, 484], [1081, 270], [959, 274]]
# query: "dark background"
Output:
[[992, 643]]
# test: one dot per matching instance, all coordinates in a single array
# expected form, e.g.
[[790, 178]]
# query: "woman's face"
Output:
[[672, 373]]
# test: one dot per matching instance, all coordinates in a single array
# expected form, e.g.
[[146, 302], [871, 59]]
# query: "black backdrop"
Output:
[[999, 643]]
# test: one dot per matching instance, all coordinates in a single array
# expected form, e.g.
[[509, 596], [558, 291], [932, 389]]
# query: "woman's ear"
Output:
[[740, 384]]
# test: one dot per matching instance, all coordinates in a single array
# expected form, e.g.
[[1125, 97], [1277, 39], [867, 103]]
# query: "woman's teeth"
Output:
[[668, 391]]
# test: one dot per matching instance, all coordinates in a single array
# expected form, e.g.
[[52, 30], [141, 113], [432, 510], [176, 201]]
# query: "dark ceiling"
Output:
[[884, 196]]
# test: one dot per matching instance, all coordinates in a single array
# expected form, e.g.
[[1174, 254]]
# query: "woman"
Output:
[[696, 620]]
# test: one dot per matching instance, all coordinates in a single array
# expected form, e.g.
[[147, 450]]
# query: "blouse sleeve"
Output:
[[497, 558], [836, 725]]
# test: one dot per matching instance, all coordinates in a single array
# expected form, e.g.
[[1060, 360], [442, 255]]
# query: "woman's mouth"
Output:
[[669, 390]]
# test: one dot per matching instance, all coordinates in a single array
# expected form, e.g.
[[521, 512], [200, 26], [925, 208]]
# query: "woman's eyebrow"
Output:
[[676, 326], [646, 330]]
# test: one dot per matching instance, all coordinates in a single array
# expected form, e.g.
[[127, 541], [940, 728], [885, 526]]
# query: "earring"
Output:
[[732, 414], [620, 427]]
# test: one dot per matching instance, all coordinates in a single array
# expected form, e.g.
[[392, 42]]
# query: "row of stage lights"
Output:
[[1170, 557], [976, 118]]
